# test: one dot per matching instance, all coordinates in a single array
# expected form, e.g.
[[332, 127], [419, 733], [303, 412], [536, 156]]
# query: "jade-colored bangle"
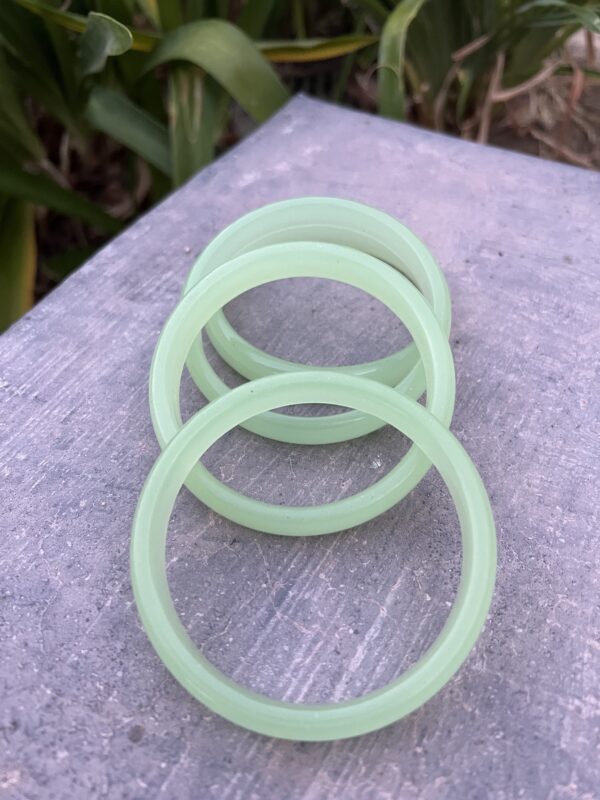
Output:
[[335, 221], [255, 711], [301, 259], [333, 260]]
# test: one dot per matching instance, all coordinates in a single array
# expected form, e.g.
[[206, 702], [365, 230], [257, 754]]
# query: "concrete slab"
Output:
[[87, 709]]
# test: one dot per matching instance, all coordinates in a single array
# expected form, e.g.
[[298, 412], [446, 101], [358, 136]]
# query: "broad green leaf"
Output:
[[590, 22], [314, 49], [193, 100], [17, 259], [528, 52], [115, 114], [103, 37], [465, 81], [198, 9], [14, 128], [150, 9], [121, 10], [169, 14], [225, 53], [142, 41], [254, 17], [68, 20], [391, 59], [341, 81], [567, 14], [41, 191], [66, 58], [438, 29], [376, 8], [298, 21], [29, 52]]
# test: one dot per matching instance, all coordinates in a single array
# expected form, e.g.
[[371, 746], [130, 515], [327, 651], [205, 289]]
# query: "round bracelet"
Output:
[[334, 221], [333, 263], [255, 711], [302, 259]]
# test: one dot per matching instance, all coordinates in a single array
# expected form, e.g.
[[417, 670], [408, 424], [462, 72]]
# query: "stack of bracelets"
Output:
[[313, 237]]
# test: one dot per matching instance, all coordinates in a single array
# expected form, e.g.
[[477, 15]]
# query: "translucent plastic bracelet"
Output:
[[255, 711], [300, 259], [335, 221]]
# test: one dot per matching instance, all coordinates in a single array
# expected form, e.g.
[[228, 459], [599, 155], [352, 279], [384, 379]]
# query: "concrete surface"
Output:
[[87, 710]]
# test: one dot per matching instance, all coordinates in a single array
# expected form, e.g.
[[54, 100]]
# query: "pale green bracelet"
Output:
[[300, 259], [342, 222], [245, 707]]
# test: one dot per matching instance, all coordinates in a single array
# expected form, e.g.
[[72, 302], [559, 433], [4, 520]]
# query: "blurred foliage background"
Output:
[[105, 105]]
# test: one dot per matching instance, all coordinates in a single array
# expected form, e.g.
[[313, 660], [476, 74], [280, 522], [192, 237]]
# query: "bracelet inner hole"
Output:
[[297, 475], [341, 615], [317, 321]]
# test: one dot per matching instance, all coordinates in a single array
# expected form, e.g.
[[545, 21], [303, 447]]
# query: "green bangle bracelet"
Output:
[[334, 258], [300, 259], [245, 707], [334, 221]]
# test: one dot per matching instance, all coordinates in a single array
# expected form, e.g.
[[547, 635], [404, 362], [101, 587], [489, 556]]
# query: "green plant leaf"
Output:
[[68, 20], [298, 19], [66, 59], [528, 52], [115, 114], [390, 78], [254, 17], [41, 191], [145, 42], [103, 37], [465, 82], [567, 14], [376, 8], [193, 105], [314, 49], [566, 21], [14, 127], [17, 259], [226, 54], [150, 9], [169, 14], [29, 55], [435, 33]]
